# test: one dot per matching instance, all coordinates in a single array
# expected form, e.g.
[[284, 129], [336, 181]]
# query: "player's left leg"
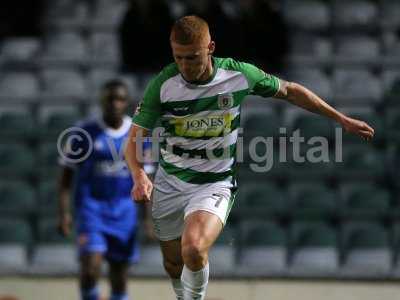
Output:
[[201, 229], [118, 275]]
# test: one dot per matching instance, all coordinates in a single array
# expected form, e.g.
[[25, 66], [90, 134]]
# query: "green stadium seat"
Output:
[[18, 199], [313, 126], [366, 250], [311, 201], [16, 125], [317, 163], [47, 198], [313, 249], [17, 160], [363, 201], [48, 160], [222, 254], [15, 230], [392, 119], [53, 254], [48, 233], [260, 200], [262, 248], [15, 237], [263, 125], [57, 122], [360, 162]]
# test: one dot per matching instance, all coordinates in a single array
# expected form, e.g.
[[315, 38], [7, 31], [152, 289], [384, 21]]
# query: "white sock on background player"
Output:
[[195, 283], [177, 286]]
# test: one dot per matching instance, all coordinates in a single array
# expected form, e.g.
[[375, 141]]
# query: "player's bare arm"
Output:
[[142, 184], [301, 96], [64, 190]]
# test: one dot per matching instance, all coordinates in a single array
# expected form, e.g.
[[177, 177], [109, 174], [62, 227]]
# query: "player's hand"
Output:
[[358, 127], [65, 224], [142, 188]]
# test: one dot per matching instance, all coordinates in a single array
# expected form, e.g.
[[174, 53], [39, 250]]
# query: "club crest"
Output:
[[225, 101]]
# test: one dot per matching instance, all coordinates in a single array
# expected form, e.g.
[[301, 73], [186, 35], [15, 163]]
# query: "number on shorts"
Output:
[[219, 200]]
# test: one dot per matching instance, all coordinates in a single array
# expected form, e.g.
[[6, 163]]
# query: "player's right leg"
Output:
[[89, 273], [173, 264]]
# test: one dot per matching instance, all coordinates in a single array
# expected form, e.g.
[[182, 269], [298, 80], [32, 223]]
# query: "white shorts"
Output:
[[170, 208]]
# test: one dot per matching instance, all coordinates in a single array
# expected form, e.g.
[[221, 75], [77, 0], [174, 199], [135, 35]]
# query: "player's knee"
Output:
[[174, 269], [194, 253]]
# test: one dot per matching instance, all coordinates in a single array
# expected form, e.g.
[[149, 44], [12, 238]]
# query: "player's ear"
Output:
[[211, 48]]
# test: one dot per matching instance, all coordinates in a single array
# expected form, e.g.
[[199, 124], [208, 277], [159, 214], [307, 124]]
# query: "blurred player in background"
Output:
[[105, 215], [198, 101]]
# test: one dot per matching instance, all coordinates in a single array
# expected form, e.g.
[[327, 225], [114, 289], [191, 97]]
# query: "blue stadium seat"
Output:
[[309, 14]]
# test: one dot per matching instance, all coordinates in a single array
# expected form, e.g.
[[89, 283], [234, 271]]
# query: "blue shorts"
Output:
[[108, 227]]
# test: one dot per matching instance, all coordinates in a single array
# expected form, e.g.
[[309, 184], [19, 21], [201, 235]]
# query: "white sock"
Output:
[[177, 286], [195, 283]]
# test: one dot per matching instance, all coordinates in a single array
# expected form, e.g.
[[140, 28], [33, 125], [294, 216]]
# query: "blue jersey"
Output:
[[106, 216]]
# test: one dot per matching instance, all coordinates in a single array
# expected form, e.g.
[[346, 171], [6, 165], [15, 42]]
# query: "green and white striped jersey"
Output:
[[201, 121]]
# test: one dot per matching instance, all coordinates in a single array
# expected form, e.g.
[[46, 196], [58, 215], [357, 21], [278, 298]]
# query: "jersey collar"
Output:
[[115, 133]]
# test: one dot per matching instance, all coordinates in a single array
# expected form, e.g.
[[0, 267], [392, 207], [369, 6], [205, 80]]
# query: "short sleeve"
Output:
[[148, 111], [260, 83]]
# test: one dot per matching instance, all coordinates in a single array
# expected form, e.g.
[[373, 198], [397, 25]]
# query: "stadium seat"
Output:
[[391, 82], [314, 249], [16, 125], [61, 83], [351, 87], [15, 235], [366, 250], [18, 199], [360, 50], [53, 253], [54, 119], [48, 232], [67, 14], [311, 201], [223, 252], [361, 201], [47, 198], [97, 77], [64, 47], [390, 14], [14, 230], [17, 160], [262, 249], [23, 86], [392, 118], [355, 13], [396, 249], [313, 126], [104, 49], [309, 15], [19, 49], [108, 14], [260, 201], [360, 162], [314, 79], [150, 262], [263, 124], [48, 156]]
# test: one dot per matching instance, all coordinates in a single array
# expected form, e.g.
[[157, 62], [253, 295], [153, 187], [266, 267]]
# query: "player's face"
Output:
[[192, 60], [115, 102]]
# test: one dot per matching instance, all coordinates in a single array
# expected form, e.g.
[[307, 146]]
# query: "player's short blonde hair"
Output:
[[189, 29]]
